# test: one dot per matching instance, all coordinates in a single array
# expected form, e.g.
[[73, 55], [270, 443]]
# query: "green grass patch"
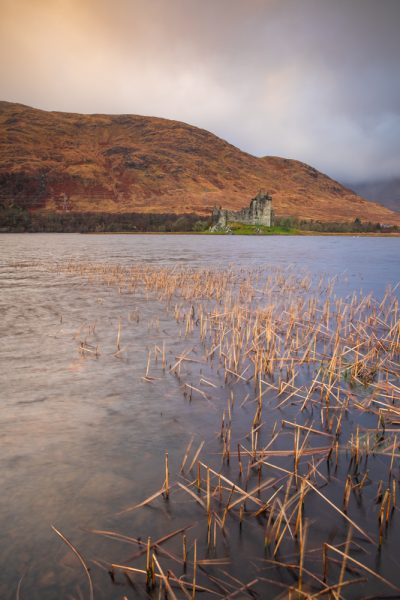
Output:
[[241, 229]]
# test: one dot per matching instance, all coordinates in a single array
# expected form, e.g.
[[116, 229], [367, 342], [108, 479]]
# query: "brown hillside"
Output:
[[127, 163]]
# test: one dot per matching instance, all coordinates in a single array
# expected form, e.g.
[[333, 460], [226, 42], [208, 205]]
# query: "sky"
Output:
[[314, 80]]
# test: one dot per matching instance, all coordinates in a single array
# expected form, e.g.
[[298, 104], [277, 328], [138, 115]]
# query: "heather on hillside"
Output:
[[58, 162]]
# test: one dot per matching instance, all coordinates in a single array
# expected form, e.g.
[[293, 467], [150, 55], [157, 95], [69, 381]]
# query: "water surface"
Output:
[[84, 437]]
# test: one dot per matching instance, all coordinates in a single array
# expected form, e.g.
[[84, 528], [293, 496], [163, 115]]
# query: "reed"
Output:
[[80, 558], [292, 376]]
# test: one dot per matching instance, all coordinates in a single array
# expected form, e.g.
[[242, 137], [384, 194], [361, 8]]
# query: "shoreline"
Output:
[[205, 233], [196, 233]]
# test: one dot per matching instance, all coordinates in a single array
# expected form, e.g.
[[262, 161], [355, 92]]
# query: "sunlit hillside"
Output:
[[51, 161]]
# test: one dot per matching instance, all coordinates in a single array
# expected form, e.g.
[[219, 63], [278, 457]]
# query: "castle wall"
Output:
[[258, 213]]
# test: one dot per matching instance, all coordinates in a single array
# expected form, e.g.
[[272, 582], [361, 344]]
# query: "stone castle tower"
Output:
[[258, 213]]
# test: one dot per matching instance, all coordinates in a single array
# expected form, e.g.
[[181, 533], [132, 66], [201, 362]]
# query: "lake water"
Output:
[[83, 437]]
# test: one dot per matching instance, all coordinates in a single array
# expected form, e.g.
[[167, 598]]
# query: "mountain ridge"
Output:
[[57, 162]]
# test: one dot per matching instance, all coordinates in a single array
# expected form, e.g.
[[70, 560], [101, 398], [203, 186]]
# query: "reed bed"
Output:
[[304, 387]]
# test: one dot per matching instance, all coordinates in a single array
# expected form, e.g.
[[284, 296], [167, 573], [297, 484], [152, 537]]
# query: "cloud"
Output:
[[314, 80]]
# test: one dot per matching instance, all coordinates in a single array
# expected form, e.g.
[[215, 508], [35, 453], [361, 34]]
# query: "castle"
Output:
[[258, 213]]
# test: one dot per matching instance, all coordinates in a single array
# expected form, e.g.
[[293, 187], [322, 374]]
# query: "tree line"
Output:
[[16, 219]]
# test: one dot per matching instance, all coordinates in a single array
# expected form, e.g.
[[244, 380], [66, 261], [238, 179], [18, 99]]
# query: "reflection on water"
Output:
[[84, 436]]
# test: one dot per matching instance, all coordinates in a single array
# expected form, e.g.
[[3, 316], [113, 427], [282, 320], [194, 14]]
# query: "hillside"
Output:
[[386, 192], [51, 161]]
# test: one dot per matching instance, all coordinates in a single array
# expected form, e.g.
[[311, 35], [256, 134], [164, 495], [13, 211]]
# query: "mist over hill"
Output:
[[386, 192]]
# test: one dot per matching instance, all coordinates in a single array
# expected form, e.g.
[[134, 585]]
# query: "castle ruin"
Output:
[[258, 213]]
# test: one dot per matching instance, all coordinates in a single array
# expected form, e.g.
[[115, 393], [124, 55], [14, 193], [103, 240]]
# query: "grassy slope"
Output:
[[130, 163]]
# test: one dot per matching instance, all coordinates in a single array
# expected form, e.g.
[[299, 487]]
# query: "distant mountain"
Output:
[[52, 161], [386, 192]]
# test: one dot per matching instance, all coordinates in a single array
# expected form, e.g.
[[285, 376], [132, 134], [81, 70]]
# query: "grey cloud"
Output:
[[315, 80]]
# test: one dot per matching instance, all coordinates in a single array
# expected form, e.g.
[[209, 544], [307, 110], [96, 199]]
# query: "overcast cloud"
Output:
[[316, 80]]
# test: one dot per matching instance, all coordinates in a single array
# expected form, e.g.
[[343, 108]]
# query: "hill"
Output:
[[386, 192], [52, 161]]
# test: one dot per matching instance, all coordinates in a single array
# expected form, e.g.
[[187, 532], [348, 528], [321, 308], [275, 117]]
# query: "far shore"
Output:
[[208, 233]]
